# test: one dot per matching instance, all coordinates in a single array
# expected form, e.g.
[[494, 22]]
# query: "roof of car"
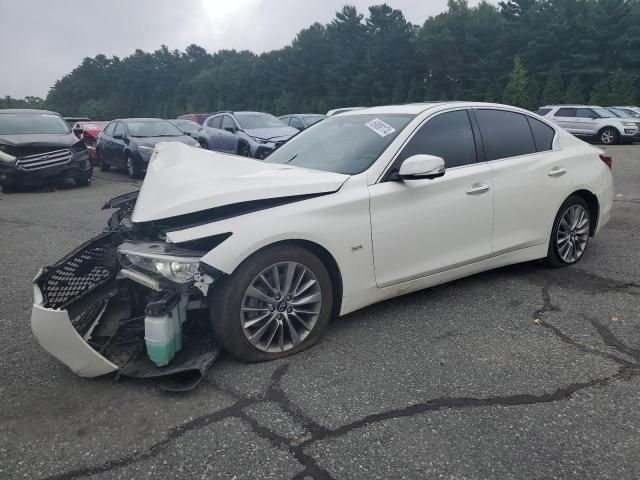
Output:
[[25, 110], [138, 119], [571, 105], [417, 108]]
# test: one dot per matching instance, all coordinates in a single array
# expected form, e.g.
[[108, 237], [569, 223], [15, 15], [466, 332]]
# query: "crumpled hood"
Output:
[[182, 179]]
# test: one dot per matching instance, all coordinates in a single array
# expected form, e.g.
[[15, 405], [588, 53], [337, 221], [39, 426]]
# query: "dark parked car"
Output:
[[37, 146], [250, 134], [189, 127], [300, 121], [129, 143]]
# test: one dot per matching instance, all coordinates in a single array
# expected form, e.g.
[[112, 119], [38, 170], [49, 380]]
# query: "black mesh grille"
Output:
[[81, 271]]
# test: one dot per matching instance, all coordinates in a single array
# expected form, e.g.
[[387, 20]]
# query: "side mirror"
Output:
[[420, 167], [118, 136], [230, 129]]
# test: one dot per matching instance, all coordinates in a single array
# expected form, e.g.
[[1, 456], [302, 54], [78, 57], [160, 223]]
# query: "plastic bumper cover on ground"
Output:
[[56, 335]]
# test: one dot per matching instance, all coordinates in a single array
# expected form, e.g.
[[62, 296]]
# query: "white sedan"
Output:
[[361, 207]]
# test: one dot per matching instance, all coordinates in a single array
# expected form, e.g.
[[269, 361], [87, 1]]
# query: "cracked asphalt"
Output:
[[523, 372]]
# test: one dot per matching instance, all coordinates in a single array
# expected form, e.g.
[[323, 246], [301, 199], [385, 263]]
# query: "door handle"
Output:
[[478, 188], [557, 172]]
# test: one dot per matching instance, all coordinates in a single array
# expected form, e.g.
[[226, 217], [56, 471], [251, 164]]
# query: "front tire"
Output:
[[83, 180], [203, 144], [278, 302], [608, 136], [133, 168], [570, 233], [244, 150]]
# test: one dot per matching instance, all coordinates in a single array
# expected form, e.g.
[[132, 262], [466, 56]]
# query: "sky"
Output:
[[60, 33]]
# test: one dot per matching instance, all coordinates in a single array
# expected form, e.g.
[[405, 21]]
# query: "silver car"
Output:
[[593, 123]]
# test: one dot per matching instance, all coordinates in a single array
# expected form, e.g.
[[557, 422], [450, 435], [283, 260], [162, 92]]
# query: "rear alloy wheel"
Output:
[[278, 302], [570, 234], [608, 136]]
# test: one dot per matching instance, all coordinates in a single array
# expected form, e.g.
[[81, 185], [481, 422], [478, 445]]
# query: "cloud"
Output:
[[59, 34]]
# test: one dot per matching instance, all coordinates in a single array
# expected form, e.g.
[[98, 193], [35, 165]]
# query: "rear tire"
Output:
[[203, 144], [570, 233], [296, 315]]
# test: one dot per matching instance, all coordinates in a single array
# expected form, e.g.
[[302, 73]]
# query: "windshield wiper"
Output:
[[291, 159]]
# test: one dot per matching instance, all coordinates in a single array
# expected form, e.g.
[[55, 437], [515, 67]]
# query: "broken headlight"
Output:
[[148, 258], [5, 157]]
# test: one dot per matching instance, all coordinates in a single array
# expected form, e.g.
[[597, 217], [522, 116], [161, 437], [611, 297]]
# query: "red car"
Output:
[[195, 117], [88, 131]]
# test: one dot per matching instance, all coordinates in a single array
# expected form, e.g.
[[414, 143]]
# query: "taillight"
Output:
[[607, 159]]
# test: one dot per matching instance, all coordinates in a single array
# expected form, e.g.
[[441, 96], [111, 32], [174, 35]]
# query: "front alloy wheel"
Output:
[[281, 307], [277, 302], [608, 136]]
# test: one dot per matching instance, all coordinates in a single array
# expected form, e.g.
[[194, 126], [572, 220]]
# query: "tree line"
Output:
[[522, 52]]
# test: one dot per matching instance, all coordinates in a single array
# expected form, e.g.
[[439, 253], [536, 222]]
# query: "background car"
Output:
[[129, 143], [188, 127], [37, 146], [199, 118], [622, 113], [593, 123], [88, 132], [300, 121], [635, 111], [249, 134], [336, 111]]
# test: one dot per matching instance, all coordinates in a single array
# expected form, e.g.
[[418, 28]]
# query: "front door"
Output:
[[422, 227]]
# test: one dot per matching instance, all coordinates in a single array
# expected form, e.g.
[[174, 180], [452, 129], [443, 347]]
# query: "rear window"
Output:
[[565, 112], [505, 134], [543, 134], [543, 111]]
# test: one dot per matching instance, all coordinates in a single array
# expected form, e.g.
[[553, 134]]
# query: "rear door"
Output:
[[566, 118], [422, 227], [527, 177]]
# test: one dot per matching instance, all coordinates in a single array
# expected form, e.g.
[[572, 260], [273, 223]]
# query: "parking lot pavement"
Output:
[[523, 372]]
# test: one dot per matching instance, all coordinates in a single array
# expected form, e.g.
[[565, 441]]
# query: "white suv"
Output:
[[592, 122]]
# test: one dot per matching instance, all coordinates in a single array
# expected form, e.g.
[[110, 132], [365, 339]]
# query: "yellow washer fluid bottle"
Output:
[[162, 333]]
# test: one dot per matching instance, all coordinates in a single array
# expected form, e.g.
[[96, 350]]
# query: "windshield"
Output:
[[619, 113], [32, 124], [249, 121], [346, 144], [603, 112], [153, 128], [311, 119]]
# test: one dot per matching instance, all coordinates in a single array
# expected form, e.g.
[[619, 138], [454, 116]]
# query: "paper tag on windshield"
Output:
[[380, 127]]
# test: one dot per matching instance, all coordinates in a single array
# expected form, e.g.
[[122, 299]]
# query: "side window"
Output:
[[227, 122], [543, 134], [215, 122], [119, 129], [447, 135], [108, 130], [295, 122], [585, 113], [565, 112], [505, 134]]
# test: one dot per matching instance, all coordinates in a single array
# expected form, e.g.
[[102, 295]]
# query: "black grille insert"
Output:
[[80, 272]]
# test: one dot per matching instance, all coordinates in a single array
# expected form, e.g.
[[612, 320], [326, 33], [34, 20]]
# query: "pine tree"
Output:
[[515, 93], [415, 93], [575, 91], [601, 93], [624, 87], [553, 91], [399, 93]]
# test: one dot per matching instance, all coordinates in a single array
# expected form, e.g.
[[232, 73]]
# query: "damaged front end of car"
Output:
[[128, 302]]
